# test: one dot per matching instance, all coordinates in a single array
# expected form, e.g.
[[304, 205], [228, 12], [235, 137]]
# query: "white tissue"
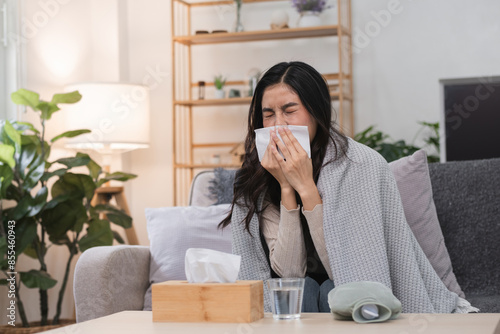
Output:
[[263, 135], [210, 266]]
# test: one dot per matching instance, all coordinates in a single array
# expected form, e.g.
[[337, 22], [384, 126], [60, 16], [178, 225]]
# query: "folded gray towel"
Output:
[[364, 302]]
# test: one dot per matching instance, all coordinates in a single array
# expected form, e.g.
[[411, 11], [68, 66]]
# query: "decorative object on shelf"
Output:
[[215, 159], [219, 83], [253, 77], [309, 11], [201, 32], [66, 218], [279, 19], [234, 93], [220, 31], [237, 153], [238, 26], [201, 90], [309, 19]]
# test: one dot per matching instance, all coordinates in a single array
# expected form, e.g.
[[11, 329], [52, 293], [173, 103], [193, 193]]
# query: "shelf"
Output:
[[215, 102], [259, 35], [207, 145], [218, 3], [234, 101], [206, 166]]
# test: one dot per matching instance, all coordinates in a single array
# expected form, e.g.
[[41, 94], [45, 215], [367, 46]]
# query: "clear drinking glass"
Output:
[[286, 297]]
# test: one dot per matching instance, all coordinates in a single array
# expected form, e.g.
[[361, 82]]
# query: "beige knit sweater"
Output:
[[283, 234]]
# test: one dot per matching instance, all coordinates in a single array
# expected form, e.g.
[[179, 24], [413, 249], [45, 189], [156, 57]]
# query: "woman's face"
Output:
[[282, 106]]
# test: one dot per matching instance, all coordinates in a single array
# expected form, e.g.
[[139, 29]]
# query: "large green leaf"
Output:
[[71, 97], [63, 217], [60, 240], [7, 155], [98, 234], [47, 109], [59, 199], [30, 139], [21, 126], [38, 202], [34, 175], [114, 215], [75, 185], [94, 169], [118, 237], [57, 172], [70, 134], [6, 177], [117, 176], [13, 135], [31, 252], [79, 160], [22, 208], [37, 279], [120, 219], [26, 230], [28, 153], [26, 98]]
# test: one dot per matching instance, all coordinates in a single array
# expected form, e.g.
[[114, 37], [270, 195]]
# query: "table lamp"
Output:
[[116, 113]]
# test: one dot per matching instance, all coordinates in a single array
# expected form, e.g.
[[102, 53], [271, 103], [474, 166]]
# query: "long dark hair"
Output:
[[252, 179]]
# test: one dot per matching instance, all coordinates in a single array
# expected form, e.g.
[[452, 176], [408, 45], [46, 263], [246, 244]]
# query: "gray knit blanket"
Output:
[[366, 235]]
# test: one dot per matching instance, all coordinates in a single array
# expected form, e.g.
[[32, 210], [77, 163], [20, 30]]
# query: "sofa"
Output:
[[466, 195]]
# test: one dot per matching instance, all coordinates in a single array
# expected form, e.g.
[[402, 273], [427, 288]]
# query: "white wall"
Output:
[[395, 75], [397, 71]]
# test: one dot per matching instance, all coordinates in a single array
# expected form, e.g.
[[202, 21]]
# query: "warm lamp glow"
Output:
[[116, 113]]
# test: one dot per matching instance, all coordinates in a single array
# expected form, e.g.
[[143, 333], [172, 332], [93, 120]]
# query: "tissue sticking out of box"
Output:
[[210, 266]]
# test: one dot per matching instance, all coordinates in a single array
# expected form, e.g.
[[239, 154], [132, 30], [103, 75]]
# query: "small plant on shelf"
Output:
[[219, 83]]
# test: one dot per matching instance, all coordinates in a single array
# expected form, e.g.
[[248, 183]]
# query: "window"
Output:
[[9, 57]]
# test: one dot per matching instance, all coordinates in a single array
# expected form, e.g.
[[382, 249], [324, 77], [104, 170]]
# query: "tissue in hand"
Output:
[[263, 135], [210, 266]]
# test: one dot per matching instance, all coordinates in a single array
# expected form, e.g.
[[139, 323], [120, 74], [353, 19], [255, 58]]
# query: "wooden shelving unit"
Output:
[[184, 103]]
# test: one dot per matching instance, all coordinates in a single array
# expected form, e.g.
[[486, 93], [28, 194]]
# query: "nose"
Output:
[[279, 120]]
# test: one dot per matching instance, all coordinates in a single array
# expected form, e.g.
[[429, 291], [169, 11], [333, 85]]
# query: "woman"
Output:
[[333, 218]]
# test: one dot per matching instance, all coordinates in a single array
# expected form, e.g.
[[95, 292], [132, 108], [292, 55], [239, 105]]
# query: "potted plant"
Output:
[[219, 83], [393, 150], [31, 220], [309, 11]]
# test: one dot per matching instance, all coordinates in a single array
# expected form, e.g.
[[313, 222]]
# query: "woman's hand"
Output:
[[271, 164], [295, 165]]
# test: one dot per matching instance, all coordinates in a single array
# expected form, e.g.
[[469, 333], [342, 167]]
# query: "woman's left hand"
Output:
[[295, 164]]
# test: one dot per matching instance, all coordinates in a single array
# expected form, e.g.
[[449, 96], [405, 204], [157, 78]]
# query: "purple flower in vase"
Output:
[[310, 5]]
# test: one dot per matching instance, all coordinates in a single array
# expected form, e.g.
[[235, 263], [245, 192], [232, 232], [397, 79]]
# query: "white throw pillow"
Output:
[[173, 230]]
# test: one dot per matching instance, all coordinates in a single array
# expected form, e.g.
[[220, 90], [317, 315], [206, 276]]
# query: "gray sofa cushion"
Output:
[[467, 199]]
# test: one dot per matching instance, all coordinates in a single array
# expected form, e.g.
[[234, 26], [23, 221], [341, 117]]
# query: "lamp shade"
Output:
[[116, 113]]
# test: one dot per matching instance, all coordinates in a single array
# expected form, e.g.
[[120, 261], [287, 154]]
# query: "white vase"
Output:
[[309, 19], [219, 93]]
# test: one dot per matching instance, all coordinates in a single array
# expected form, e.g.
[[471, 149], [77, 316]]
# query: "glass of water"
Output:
[[286, 297]]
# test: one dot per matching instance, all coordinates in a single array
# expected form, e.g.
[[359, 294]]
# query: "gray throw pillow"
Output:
[[414, 184]]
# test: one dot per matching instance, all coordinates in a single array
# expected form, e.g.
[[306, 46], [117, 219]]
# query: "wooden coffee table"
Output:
[[141, 322]]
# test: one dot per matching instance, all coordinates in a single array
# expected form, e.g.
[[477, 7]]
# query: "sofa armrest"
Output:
[[110, 279]]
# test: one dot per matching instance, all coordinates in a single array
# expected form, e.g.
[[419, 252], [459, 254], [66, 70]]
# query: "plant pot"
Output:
[[35, 327], [219, 93], [309, 19]]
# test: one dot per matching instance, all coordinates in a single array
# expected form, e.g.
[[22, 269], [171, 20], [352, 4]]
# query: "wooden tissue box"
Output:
[[180, 301]]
